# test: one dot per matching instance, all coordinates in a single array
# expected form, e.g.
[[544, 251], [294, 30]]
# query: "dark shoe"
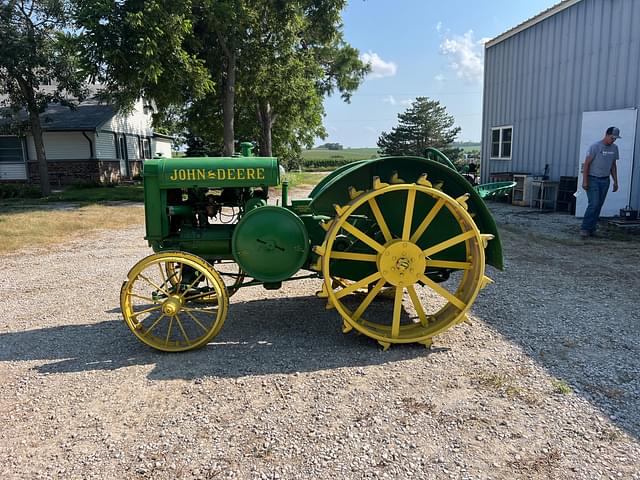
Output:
[[585, 233]]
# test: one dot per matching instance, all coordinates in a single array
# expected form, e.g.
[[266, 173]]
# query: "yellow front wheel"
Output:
[[229, 271], [162, 304]]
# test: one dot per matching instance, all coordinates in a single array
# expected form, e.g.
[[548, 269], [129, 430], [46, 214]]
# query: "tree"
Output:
[[424, 124], [271, 63], [137, 48], [37, 49], [303, 59]]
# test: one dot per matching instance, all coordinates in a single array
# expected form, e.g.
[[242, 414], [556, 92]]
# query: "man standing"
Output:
[[599, 164]]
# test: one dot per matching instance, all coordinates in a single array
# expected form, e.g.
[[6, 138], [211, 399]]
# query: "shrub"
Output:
[[81, 184], [18, 190]]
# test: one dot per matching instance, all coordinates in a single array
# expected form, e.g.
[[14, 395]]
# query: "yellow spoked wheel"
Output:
[[165, 310], [414, 243], [230, 272]]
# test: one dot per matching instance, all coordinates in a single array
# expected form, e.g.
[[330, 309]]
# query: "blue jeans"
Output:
[[596, 194]]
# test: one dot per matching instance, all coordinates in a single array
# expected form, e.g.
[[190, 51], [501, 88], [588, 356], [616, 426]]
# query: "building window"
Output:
[[121, 147], [501, 142], [145, 147], [11, 150]]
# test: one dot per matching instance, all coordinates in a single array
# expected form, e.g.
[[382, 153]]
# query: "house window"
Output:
[[11, 150], [121, 147], [146, 147], [501, 142]]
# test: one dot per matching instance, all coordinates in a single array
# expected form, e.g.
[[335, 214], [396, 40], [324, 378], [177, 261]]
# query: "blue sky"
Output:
[[420, 48]]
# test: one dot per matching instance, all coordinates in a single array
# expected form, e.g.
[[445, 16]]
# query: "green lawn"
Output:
[[133, 193], [469, 149], [351, 154]]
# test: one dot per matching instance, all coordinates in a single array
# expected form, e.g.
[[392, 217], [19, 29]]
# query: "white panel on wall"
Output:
[[594, 125]]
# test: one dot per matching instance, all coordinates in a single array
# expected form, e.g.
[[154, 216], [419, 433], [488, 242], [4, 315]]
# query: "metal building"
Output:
[[554, 83]]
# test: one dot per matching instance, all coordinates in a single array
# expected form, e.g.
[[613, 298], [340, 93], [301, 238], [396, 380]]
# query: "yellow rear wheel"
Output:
[[162, 303], [426, 287]]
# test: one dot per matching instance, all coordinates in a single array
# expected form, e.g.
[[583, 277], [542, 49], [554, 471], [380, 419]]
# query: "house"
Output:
[[554, 84], [88, 143]]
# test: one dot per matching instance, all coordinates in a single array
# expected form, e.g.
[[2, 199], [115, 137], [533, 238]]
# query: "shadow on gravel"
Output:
[[572, 309], [283, 335]]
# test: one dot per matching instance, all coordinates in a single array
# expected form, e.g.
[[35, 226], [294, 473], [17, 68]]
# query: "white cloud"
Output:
[[390, 99], [440, 78], [379, 68], [406, 102], [466, 56], [439, 27]]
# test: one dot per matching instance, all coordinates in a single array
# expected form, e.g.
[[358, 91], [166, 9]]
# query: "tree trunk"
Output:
[[228, 105], [267, 119], [36, 130]]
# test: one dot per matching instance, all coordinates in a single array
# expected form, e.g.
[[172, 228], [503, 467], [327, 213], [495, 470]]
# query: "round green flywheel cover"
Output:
[[270, 243]]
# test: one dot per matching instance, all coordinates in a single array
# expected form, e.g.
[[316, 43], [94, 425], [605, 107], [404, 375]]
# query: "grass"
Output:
[[469, 149], [133, 193], [76, 211], [562, 387], [49, 226], [301, 179], [82, 195], [350, 154]]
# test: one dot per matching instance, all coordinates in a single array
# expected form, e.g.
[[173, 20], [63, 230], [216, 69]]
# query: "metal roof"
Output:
[[87, 116], [564, 4]]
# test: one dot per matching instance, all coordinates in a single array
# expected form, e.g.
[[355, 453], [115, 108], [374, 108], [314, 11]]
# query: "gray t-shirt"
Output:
[[603, 157]]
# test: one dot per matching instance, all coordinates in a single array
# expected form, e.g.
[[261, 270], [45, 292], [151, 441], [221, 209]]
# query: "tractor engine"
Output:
[[193, 204]]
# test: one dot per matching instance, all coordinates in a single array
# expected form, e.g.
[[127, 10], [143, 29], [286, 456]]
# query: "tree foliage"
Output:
[[425, 123], [136, 48], [38, 48], [241, 69]]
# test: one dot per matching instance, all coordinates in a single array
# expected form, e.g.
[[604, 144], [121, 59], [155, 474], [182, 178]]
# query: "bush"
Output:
[[295, 163], [325, 164], [81, 184], [18, 190]]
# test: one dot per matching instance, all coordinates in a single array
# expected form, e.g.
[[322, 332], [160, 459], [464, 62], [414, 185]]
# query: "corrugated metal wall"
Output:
[[540, 80]]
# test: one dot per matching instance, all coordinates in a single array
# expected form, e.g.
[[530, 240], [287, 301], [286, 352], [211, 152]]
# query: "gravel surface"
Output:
[[543, 383]]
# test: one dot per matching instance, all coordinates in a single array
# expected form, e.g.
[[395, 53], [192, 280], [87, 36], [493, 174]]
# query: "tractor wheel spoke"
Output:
[[380, 219], [448, 243], [443, 292], [427, 221], [408, 214], [360, 235]]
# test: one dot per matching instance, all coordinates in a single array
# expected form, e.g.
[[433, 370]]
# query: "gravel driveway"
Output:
[[544, 382]]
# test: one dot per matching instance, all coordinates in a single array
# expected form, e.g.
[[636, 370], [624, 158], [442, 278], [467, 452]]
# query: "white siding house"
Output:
[[88, 143]]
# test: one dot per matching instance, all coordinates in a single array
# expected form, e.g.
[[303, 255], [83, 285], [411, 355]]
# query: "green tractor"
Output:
[[400, 243]]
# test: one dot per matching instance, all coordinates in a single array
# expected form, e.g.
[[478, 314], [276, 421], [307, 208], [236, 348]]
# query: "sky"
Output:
[[419, 48]]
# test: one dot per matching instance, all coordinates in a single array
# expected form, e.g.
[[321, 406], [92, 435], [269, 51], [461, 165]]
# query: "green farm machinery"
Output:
[[399, 243]]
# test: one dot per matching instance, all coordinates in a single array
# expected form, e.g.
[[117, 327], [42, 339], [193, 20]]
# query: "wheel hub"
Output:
[[172, 305], [401, 263]]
